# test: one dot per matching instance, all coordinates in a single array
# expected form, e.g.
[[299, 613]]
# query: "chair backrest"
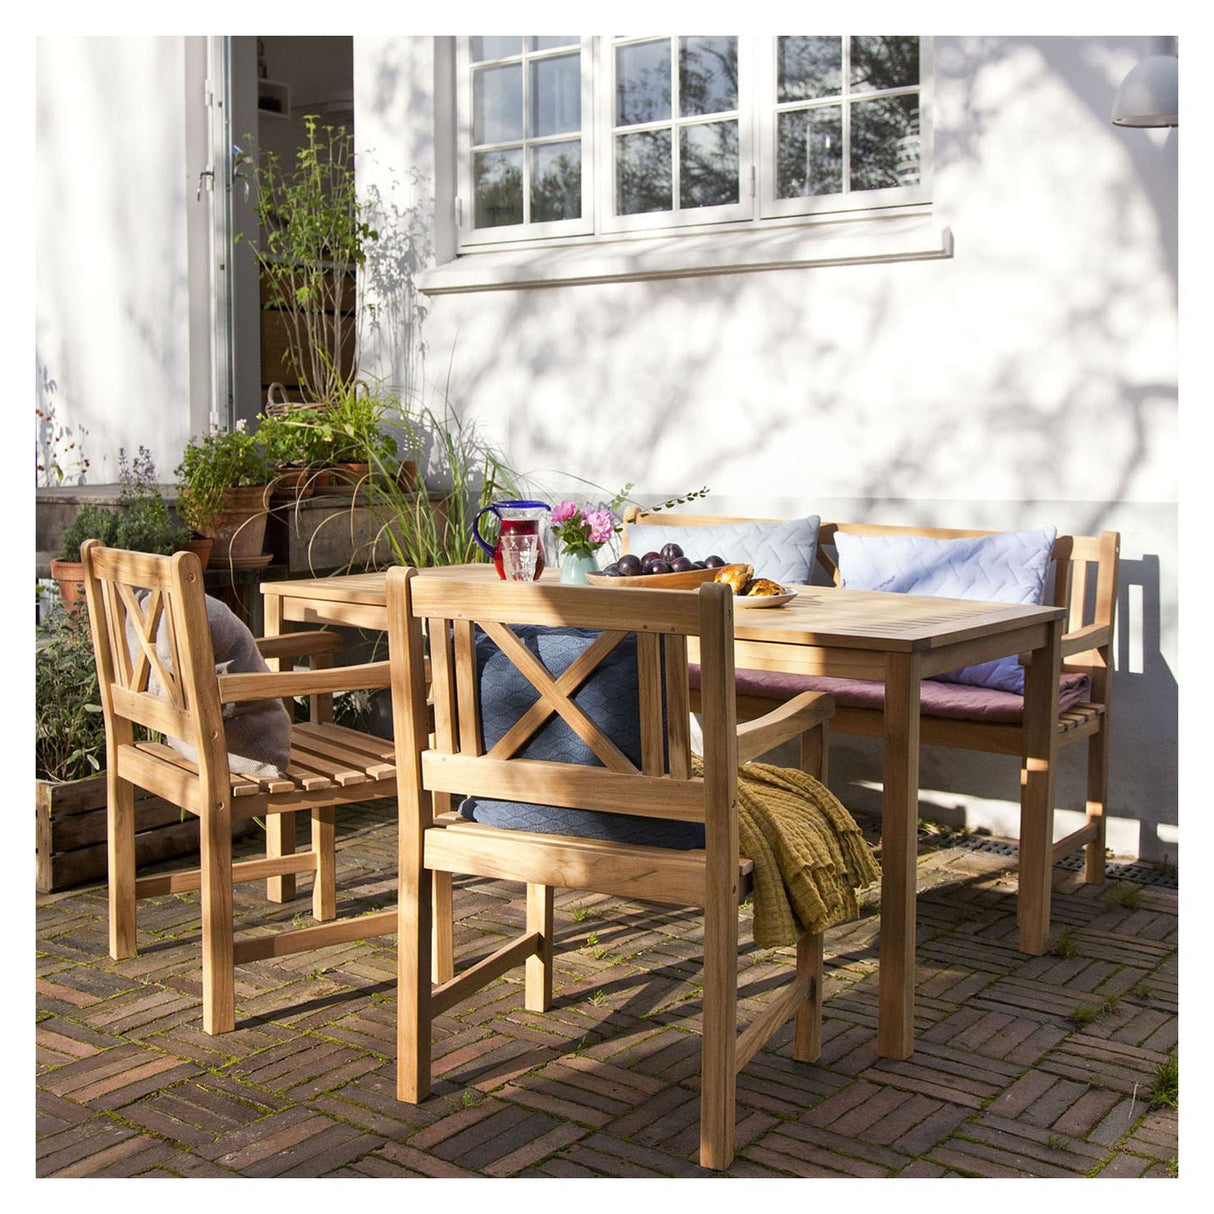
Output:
[[155, 661], [449, 612]]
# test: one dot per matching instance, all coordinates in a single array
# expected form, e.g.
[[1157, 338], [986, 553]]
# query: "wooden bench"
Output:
[[1082, 578]]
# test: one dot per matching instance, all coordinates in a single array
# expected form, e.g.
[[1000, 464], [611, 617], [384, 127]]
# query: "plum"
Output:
[[657, 567], [681, 564], [713, 562], [629, 565], [651, 556], [612, 570], [671, 553]]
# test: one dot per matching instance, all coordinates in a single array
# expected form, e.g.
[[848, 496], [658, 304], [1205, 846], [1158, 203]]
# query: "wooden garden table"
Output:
[[893, 639]]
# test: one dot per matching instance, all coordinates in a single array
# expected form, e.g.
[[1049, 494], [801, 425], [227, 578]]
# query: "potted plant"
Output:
[[224, 483], [295, 454], [351, 434], [141, 522], [313, 235]]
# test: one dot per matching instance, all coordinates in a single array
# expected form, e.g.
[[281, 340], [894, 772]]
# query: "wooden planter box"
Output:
[[71, 832]]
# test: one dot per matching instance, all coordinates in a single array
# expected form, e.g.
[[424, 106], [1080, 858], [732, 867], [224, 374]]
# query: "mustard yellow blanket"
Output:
[[809, 855]]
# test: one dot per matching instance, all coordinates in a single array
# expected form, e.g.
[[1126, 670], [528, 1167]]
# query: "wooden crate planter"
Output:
[[71, 832]]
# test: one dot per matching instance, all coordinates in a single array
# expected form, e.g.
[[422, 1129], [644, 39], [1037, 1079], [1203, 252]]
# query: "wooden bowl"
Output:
[[688, 580]]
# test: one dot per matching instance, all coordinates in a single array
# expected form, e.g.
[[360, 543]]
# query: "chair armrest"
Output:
[[234, 688], [300, 644], [791, 719]]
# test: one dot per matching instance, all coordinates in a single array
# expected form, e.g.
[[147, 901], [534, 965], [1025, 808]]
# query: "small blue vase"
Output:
[[575, 566]]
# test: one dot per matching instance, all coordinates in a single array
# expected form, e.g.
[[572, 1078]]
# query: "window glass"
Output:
[[884, 63], [708, 164], [556, 96], [499, 187], [810, 152], [642, 82], [708, 75], [885, 143], [808, 67], [497, 104], [494, 48], [643, 172], [556, 181]]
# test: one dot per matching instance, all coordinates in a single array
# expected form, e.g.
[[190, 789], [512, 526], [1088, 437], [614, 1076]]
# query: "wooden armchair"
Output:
[[1083, 579], [329, 765], [657, 785]]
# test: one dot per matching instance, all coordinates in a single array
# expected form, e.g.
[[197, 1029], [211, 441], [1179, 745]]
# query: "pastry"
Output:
[[764, 586], [735, 576]]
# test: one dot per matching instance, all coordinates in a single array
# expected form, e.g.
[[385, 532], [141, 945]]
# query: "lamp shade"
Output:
[[1149, 94]]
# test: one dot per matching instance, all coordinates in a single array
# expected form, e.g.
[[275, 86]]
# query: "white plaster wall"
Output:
[[112, 299], [1030, 379]]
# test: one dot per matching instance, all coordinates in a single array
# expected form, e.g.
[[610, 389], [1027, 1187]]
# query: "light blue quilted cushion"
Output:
[[782, 551], [1009, 567], [608, 698]]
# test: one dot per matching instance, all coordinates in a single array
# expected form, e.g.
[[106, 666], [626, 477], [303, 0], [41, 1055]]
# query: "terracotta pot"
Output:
[[201, 548], [70, 576], [238, 527], [406, 478], [294, 481]]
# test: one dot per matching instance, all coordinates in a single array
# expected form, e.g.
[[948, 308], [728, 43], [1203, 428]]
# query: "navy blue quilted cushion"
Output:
[[608, 698]]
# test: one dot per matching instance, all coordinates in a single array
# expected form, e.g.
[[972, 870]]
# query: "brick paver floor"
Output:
[[1023, 1067]]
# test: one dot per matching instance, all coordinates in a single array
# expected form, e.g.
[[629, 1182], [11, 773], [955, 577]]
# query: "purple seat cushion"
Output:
[[936, 699]]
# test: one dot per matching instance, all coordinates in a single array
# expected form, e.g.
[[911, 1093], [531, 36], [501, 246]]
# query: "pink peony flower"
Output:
[[566, 510], [602, 525]]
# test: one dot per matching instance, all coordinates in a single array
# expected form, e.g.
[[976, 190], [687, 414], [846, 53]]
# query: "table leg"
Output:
[[1037, 775], [899, 855], [280, 828]]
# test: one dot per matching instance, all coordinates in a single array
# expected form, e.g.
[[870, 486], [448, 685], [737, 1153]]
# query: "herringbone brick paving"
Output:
[[1023, 1066]]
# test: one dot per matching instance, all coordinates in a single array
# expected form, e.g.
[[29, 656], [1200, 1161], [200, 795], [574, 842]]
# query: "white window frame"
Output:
[[767, 109], [868, 227], [471, 236], [605, 167]]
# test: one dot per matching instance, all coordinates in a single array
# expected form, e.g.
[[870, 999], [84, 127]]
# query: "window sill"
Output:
[[851, 242]]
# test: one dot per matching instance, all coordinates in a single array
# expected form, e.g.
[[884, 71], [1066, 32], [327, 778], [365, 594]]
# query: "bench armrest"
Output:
[[790, 720], [234, 688], [1092, 636]]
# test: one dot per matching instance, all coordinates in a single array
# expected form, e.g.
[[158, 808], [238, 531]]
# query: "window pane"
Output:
[[808, 68], [546, 43], [884, 63], [642, 82], [556, 181], [708, 75], [556, 95], [708, 164], [495, 47], [499, 187], [643, 172], [810, 153], [497, 104], [885, 143]]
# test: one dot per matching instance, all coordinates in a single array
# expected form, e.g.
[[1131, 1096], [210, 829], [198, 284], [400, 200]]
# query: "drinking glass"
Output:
[[519, 552]]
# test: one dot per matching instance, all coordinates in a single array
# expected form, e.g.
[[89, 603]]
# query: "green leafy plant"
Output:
[[223, 459], [1067, 944], [91, 522], [69, 728], [313, 236], [355, 427], [142, 521], [146, 524]]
